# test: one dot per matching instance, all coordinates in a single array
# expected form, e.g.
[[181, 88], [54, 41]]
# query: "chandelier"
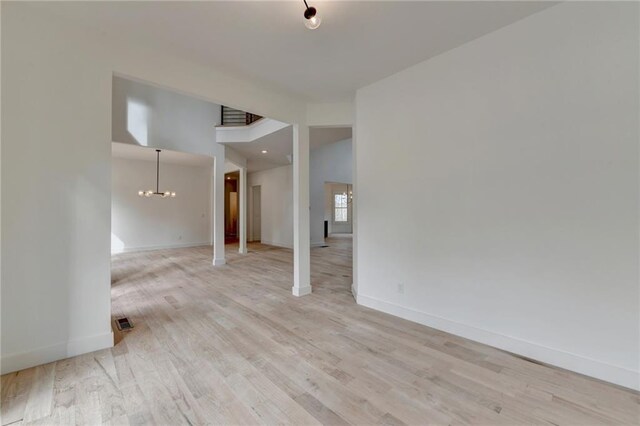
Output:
[[157, 192], [349, 194]]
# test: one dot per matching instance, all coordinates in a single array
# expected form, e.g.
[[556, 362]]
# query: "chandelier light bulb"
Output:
[[140, 193], [313, 23], [311, 18]]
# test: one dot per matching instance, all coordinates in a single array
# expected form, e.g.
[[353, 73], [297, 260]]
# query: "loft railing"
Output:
[[235, 117]]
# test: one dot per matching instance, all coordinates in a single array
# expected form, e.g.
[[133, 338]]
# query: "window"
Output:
[[340, 207]]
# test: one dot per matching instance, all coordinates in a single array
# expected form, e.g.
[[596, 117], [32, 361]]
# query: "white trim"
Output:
[[242, 216], [219, 262], [288, 246], [569, 361], [247, 134], [354, 292], [274, 244], [301, 291], [162, 247], [62, 350]]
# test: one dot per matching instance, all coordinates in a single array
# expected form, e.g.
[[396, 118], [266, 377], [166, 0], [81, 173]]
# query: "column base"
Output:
[[301, 291], [219, 262]]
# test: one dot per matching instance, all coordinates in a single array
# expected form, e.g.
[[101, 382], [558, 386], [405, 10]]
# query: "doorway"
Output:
[[338, 208], [231, 207]]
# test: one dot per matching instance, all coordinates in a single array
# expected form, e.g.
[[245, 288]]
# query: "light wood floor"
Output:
[[231, 345]]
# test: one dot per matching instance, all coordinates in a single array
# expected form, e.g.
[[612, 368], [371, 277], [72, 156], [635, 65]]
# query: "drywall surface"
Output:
[[330, 114], [56, 173], [149, 116], [276, 205], [515, 158], [327, 163], [141, 223], [56, 185]]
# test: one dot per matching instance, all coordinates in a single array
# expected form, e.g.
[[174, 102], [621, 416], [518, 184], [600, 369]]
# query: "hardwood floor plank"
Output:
[[231, 345], [15, 393], [40, 398]]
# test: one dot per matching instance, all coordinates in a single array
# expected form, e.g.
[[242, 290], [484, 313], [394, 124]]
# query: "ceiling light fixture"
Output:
[[312, 20], [151, 192], [264, 151], [349, 194]]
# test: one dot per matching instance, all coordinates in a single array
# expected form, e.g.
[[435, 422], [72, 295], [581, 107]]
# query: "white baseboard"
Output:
[[219, 262], [275, 244], [301, 291], [161, 247], [354, 292], [47, 354], [569, 361]]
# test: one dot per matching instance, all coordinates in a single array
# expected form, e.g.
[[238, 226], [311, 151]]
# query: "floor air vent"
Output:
[[124, 324]]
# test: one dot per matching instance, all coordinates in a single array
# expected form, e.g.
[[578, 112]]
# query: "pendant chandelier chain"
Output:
[[157, 170], [151, 192]]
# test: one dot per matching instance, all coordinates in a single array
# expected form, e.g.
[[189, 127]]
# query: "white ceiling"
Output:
[[279, 145], [136, 152], [357, 44]]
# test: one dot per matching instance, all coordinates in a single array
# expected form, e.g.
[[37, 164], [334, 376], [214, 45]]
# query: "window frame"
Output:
[[333, 208]]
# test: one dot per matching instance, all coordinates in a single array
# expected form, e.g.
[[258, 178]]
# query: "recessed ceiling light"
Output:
[[264, 151], [228, 177]]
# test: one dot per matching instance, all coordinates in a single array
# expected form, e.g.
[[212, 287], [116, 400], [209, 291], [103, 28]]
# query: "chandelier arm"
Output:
[[158, 172], [305, 4]]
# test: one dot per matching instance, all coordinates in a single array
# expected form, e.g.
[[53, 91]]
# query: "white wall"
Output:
[[277, 205], [327, 163], [56, 173], [516, 160], [139, 223], [150, 116], [331, 114]]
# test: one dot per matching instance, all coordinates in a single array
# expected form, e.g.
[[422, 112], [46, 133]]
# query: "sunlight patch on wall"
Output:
[[117, 245], [138, 121]]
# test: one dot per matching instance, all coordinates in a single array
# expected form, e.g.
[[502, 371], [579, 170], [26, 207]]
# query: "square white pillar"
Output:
[[217, 210], [242, 192], [301, 233]]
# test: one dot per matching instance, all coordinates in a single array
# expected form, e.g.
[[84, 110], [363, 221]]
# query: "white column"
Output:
[[354, 211], [301, 237], [217, 210], [242, 194]]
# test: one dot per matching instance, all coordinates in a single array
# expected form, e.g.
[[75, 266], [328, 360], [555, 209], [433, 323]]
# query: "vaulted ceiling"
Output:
[[357, 44]]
